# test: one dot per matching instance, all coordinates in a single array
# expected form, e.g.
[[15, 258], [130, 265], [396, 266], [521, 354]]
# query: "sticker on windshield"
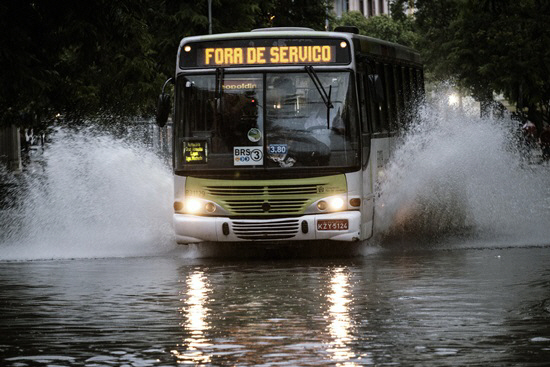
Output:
[[248, 156], [277, 149], [254, 135]]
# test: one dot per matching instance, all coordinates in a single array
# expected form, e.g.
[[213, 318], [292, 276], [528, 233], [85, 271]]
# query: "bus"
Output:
[[281, 134]]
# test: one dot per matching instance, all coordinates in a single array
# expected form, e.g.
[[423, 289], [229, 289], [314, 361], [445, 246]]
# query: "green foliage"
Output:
[[175, 19], [490, 46], [400, 8], [433, 22], [77, 58], [294, 13], [384, 27], [109, 58], [352, 18]]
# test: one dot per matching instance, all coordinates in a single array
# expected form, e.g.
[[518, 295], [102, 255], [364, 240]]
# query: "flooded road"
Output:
[[459, 274], [400, 306]]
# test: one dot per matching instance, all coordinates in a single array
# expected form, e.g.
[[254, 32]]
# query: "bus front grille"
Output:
[[264, 200], [270, 206], [272, 230], [274, 190]]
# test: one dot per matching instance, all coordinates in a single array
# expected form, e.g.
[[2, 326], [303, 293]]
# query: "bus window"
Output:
[[225, 114], [398, 85], [383, 102], [374, 114], [390, 97], [414, 85], [372, 79], [197, 104], [406, 89], [363, 103], [364, 111], [419, 83], [302, 129], [406, 92]]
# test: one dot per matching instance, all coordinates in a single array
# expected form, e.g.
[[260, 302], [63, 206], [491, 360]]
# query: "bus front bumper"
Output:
[[340, 226]]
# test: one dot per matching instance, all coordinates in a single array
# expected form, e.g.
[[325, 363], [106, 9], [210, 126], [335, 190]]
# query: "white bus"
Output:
[[280, 134]]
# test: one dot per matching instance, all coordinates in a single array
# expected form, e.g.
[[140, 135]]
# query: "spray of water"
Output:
[[458, 177], [90, 195], [455, 179]]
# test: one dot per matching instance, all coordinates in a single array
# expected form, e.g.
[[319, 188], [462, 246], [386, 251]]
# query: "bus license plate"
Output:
[[332, 225]]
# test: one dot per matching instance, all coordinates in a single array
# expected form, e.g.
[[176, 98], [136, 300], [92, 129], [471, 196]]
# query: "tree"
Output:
[[400, 8], [490, 46], [175, 19], [433, 21], [109, 58], [77, 58], [381, 26], [294, 13]]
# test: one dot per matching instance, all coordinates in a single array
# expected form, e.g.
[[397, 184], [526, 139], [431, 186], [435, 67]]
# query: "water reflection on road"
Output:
[[340, 322], [407, 307], [195, 313]]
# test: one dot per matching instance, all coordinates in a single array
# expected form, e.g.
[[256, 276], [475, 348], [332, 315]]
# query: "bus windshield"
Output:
[[266, 120]]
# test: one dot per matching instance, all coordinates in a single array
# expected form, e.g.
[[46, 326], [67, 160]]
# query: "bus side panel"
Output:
[[379, 158], [179, 188], [367, 208], [359, 185]]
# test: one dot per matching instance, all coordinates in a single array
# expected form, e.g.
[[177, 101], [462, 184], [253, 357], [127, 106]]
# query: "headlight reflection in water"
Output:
[[195, 323], [340, 326]]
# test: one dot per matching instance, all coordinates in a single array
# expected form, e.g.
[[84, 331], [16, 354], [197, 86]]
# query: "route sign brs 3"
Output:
[[248, 156]]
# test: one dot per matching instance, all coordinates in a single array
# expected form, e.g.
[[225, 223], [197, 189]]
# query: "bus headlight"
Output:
[[197, 206], [331, 204], [193, 205], [336, 204]]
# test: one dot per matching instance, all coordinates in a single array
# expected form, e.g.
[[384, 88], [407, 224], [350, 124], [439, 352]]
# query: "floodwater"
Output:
[[423, 307], [458, 274]]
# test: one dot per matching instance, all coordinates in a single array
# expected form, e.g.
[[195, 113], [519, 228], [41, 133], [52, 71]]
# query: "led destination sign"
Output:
[[267, 55], [195, 151], [265, 52]]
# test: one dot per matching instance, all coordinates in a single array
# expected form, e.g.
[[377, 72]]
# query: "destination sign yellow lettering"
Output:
[[268, 55], [195, 151]]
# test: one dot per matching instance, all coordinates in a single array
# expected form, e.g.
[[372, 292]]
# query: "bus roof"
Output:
[[362, 44], [374, 46]]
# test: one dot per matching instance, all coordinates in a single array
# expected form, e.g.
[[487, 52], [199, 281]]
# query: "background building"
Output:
[[368, 8]]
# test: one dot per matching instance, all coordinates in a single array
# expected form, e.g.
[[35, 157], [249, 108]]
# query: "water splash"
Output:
[[91, 195], [454, 178], [460, 177]]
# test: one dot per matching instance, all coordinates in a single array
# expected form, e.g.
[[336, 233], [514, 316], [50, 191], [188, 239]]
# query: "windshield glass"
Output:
[[265, 121]]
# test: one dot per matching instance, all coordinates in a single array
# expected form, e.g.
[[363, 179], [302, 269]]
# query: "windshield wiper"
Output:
[[324, 95], [218, 92]]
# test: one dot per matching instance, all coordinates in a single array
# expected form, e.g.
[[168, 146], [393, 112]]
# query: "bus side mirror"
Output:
[[163, 105], [163, 109], [376, 87]]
